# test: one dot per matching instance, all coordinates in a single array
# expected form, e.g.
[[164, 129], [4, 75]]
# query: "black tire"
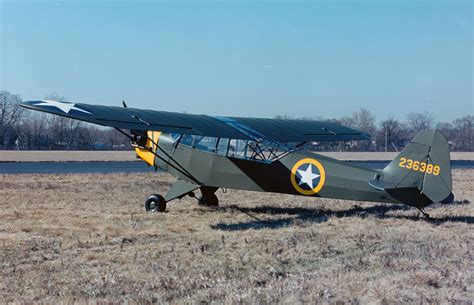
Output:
[[209, 200], [155, 203]]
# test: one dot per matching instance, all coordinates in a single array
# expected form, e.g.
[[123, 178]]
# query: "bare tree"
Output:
[[419, 121], [10, 114], [88, 136], [64, 130], [365, 121], [283, 117], [34, 131], [115, 139], [447, 129], [391, 133], [349, 121], [464, 132]]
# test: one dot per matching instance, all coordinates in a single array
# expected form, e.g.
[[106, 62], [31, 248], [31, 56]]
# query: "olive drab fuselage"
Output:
[[337, 179]]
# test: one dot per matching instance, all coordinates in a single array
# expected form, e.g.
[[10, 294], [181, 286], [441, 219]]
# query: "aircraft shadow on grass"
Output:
[[322, 215]]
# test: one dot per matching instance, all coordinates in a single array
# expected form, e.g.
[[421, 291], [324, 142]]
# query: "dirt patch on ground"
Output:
[[86, 238]]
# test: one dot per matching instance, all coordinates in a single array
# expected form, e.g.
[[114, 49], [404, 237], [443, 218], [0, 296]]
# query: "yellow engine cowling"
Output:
[[145, 154]]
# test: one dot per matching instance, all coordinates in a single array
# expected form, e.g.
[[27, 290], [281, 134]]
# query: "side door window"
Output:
[[222, 146], [187, 140], [237, 148], [207, 144]]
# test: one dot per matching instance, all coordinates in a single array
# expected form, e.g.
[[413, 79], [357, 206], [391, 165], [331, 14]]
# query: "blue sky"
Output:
[[244, 58]]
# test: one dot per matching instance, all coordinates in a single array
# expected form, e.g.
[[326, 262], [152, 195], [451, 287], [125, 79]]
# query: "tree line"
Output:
[[31, 130], [393, 134]]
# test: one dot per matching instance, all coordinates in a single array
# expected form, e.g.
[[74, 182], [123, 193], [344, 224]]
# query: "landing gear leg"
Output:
[[208, 198], [424, 213], [155, 203]]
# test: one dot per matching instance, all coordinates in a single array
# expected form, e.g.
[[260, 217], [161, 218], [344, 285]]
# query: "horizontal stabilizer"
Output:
[[381, 185]]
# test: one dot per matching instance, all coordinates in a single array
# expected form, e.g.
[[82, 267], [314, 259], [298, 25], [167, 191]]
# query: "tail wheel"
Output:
[[210, 200], [155, 203]]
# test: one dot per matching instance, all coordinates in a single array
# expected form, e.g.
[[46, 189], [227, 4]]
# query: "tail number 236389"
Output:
[[419, 166]]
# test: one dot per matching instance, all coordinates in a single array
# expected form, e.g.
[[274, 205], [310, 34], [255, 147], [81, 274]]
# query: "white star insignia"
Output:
[[307, 176], [64, 107]]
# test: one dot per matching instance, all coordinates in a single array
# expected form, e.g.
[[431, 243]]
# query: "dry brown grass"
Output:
[[86, 238]]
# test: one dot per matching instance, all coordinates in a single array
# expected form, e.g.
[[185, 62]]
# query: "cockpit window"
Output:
[[169, 138], [187, 140], [263, 151], [222, 146], [205, 143], [237, 148]]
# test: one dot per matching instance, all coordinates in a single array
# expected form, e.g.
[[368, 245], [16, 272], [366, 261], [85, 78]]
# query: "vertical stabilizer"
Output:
[[421, 173]]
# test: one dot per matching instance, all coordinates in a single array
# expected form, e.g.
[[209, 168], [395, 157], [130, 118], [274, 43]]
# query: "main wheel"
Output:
[[155, 203], [209, 200]]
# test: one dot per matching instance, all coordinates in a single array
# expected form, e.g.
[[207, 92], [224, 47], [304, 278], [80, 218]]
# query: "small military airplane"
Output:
[[260, 154]]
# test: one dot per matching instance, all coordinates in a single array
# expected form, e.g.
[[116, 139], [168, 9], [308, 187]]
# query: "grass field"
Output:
[[86, 238]]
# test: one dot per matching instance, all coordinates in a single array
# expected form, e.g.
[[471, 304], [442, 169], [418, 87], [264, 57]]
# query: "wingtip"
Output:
[[30, 104], [27, 104]]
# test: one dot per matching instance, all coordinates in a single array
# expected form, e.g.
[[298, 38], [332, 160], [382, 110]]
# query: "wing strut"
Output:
[[177, 167]]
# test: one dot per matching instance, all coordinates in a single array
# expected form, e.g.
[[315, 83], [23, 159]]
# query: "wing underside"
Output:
[[213, 126]]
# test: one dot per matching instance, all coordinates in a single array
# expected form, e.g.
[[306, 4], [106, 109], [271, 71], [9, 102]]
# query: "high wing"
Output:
[[278, 130]]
